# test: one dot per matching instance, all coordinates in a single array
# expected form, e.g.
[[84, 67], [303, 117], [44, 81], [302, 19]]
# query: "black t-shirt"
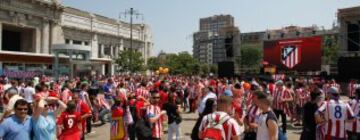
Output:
[[308, 117], [171, 112]]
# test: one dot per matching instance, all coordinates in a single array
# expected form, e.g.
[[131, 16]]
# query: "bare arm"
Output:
[[318, 118], [235, 137], [273, 129], [39, 107], [157, 117], [62, 107]]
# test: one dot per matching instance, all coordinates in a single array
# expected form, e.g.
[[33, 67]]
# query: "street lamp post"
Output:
[[132, 13]]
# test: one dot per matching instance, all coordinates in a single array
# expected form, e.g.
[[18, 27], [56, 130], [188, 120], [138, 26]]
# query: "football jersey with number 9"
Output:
[[69, 122]]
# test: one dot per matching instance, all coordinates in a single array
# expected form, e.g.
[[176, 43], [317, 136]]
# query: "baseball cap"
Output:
[[228, 93], [333, 90], [280, 82]]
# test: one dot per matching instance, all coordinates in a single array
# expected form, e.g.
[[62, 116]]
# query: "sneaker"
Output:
[[92, 132], [297, 124]]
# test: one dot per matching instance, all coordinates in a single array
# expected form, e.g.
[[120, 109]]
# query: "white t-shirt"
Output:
[[12, 101], [203, 101], [28, 94]]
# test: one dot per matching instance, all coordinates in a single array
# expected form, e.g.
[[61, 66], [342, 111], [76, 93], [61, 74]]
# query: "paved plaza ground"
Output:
[[103, 132]]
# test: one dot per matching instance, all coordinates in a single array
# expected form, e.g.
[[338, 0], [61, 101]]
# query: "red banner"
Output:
[[301, 54]]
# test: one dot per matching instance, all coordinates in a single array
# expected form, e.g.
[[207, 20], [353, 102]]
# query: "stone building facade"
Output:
[[29, 29]]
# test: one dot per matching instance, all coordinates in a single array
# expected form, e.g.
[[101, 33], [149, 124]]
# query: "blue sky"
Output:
[[173, 21]]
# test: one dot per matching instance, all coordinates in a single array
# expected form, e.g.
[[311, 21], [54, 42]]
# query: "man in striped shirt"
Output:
[[230, 129], [301, 97], [155, 116], [335, 114], [352, 88], [281, 97], [353, 127]]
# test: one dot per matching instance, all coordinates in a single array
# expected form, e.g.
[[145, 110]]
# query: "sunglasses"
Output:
[[21, 109], [156, 97]]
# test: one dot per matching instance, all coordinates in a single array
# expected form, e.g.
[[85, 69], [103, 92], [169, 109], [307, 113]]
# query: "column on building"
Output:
[[94, 46], [102, 48], [37, 37], [45, 37], [121, 47], [111, 51], [103, 69]]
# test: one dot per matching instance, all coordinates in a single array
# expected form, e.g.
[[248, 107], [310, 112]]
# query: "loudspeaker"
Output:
[[229, 47], [226, 69], [348, 67], [353, 34]]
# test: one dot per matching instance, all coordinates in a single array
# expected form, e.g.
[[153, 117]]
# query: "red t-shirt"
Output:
[[83, 109], [163, 98], [117, 112], [70, 122]]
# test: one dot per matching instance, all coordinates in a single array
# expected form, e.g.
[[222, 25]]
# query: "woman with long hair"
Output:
[[209, 108]]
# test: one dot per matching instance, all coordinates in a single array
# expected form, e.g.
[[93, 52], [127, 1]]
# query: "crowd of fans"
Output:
[[143, 107]]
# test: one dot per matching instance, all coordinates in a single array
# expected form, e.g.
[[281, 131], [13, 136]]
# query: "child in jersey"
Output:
[[70, 120], [117, 129]]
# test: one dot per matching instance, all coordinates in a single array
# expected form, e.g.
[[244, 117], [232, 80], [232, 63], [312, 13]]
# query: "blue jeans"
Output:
[[174, 128], [102, 114]]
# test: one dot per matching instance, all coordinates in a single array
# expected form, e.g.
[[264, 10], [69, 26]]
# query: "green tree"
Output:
[[205, 69], [181, 63], [153, 63], [330, 49], [251, 57], [213, 69], [130, 61]]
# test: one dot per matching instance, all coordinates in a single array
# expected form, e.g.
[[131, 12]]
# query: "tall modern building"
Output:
[[218, 40], [29, 29]]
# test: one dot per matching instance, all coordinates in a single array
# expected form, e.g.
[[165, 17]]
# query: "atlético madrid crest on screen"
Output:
[[290, 55]]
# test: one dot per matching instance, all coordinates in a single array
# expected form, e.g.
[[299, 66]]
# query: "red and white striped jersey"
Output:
[[335, 114], [354, 126], [66, 95], [1, 89], [325, 88], [152, 111], [252, 113], [279, 94], [352, 89], [302, 96], [278, 77], [229, 128], [143, 92]]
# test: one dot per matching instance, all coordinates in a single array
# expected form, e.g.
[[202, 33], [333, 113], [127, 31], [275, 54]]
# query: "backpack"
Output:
[[213, 131], [143, 129]]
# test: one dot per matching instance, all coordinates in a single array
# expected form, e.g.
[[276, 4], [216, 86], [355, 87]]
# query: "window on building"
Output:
[[77, 42], [99, 51], [107, 50], [67, 41], [86, 43]]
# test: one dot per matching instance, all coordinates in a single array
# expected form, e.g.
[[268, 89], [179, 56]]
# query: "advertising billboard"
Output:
[[300, 54]]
